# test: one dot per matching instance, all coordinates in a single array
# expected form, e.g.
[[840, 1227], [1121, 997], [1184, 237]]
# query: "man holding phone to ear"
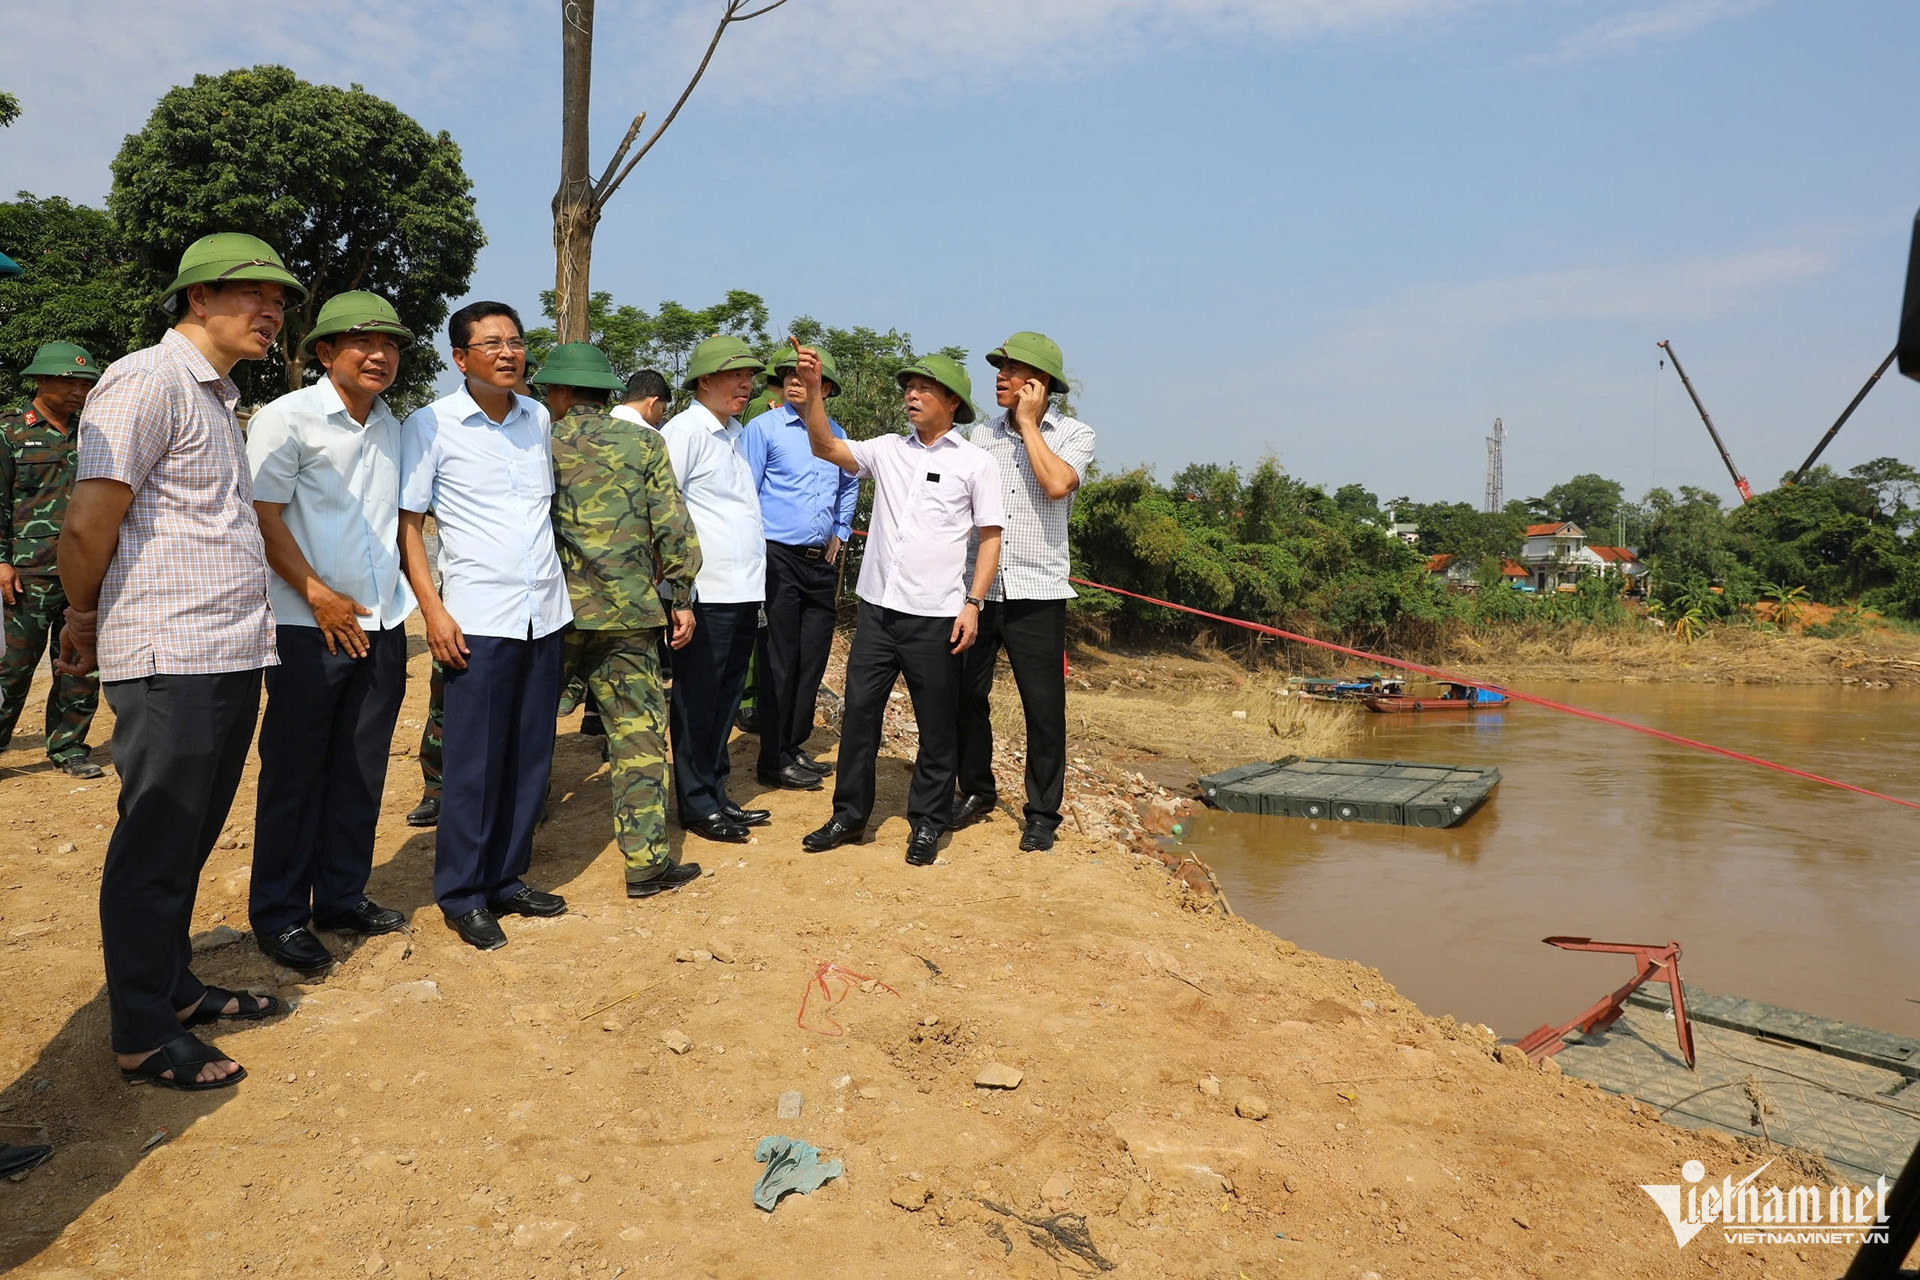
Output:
[[932, 490]]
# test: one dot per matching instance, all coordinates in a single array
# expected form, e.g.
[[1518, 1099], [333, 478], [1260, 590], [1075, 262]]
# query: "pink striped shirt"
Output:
[[186, 590]]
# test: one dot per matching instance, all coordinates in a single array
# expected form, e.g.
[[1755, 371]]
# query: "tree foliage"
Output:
[[81, 284], [635, 339], [351, 190], [1591, 501]]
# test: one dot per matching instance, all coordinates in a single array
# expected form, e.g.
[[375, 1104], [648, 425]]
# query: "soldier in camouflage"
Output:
[[37, 457], [621, 526]]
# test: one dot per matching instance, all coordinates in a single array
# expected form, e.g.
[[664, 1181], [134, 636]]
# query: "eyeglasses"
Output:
[[493, 346]]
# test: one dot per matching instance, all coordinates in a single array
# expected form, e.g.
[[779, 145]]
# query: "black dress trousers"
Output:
[[1034, 634], [709, 679], [325, 738], [886, 645], [179, 744], [793, 649]]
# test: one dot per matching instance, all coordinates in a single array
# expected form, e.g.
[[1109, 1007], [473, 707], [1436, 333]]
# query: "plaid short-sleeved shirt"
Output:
[[186, 590], [1033, 547]]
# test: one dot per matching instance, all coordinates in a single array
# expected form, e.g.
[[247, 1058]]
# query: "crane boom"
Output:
[[1841, 421], [1739, 481]]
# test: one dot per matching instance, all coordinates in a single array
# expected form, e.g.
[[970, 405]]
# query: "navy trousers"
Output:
[[497, 755], [179, 744], [709, 679], [324, 741]]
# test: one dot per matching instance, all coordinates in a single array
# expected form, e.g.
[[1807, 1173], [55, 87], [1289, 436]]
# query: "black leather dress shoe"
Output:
[[426, 813], [479, 929], [791, 778], [838, 831], [295, 948], [970, 806], [670, 879], [811, 765], [1037, 838], [924, 845], [719, 827], [746, 817], [367, 917], [531, 902]]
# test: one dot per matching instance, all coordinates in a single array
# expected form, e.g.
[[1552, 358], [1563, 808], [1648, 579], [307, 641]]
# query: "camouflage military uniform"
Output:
[[618, 519], [36, 476], [430, 734]]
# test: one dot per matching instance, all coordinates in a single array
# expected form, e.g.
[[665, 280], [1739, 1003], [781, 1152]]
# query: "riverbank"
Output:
[[1195, 1097], [1723, 655]]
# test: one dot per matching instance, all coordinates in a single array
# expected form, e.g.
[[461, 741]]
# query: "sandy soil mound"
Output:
[[1194, 1097]]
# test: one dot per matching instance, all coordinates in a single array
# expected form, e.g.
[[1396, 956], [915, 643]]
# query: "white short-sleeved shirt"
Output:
[[721, 496], [927, 501], [490, 487], [340, 482]]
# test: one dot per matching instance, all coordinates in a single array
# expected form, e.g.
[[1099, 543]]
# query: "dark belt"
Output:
[[811, 553]]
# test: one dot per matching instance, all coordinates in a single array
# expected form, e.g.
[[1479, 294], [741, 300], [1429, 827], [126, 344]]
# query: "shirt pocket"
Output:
[[43, 461], [944, 505]]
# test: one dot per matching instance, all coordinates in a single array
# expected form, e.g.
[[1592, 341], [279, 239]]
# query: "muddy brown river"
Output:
[[1778, 889]]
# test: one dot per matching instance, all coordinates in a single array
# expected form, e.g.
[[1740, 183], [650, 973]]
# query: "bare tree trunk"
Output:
[[574, 209]]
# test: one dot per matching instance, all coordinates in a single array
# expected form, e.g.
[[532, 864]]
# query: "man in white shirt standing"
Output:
[[932, 490], [326, 484], [481, 460], [710, 674], [1043, 456]]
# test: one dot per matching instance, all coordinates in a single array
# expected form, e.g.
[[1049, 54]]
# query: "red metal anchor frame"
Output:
[[1653, 963]]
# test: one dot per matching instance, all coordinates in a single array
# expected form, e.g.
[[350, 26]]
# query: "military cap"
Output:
[[719, 354], [356, 312], [788, 359], [1036, 351], [63, 360], [578, 364], [948, 373], [223, 256]]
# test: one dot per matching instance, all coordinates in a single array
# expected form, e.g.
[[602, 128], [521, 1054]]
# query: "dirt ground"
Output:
[[1724, 655], [1197, 1098]]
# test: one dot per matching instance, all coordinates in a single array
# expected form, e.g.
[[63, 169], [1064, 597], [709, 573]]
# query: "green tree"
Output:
[[1895, 487], [1686, 538], [1357, 502], [9, 109], [1462, 530], [81, 285], [869, 403], [1590, 501], [350, 189]]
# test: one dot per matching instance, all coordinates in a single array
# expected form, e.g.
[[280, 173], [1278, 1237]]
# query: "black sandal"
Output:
[[183, 1055], [208, 1010]]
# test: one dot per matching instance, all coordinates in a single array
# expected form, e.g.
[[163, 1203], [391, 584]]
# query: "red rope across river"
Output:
[[1517, 696]]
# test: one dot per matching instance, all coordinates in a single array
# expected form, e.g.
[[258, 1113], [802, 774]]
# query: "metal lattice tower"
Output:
[[1496, 467]]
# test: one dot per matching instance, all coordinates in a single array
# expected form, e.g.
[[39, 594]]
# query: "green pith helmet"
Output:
[[357, 312], [1036, 351], [948, 373], [63, 360], [829, 371], [577, 364], [223, 256], [719, 354]]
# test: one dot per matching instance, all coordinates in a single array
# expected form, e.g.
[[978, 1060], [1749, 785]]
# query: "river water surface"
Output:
[[1778, 889]]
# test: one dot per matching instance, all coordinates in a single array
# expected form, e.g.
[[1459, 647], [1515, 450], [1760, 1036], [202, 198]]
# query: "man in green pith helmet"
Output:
[[710, 675], [620, 526], [1043, 456], [326, 486], [166, 580], [37, 456]]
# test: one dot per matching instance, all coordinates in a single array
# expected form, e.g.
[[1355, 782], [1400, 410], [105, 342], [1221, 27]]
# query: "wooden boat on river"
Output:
[[1456, 698]]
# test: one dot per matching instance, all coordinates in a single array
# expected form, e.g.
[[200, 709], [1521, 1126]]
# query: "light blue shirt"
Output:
[[724, 502], [490, 487], [804, 500], [340, 483]]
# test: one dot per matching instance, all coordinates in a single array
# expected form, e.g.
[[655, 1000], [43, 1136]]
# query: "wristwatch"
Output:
[[976, 602]]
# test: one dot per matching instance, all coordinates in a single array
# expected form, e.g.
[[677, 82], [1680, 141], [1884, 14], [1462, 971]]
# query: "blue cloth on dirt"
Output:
[[792, 1165]]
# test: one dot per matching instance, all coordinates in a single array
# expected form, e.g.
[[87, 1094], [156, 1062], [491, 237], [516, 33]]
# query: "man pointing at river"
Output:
[[932, 489]]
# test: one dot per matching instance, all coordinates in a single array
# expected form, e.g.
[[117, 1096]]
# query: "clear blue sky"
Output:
[[1346, 232]]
